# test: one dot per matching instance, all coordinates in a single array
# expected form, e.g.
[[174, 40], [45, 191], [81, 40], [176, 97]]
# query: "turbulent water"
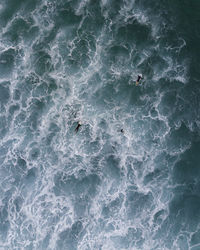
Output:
[[69, 61]]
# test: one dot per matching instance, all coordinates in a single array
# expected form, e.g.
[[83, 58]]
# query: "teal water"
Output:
[[64, 62]]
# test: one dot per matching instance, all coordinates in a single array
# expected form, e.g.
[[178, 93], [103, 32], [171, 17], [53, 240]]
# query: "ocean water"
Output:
[[69, 61]]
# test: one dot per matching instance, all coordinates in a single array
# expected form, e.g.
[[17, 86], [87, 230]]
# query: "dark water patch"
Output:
[[40, 90], [29, 5], [146, 68], [21, 164], [18, 30], [187, 170], [188, 16], [158, 128], [69, 238], [52, 86], [103, 95], [115, 91], [182, 242], [186, 24], [53, 130], [135, 236], [154, 64], [195, 247], [20, 118], [137, 203], [38, 104], [37, 109], [54, 127], [130, 171], [134, 165], [186, 210], [66, 16], [167, 106], [179, 138], [34, 120], [5, 147], [171, 39], [34, 153], [31, 81], [3, 126], [81, 206], [135, 96], [50, 155], [79, 56], [185, 206], [112, 209], [188, 103], [4, 93], [93, 147], [45, 242], [18, 171], [41, 87], [116, 55], [13, 109], [40, 46], [120, 242], [31, 35], [45, 41], [195, 239], [18, 202], [11, 7], [134, 33], [7, 59], [46, 10], [165, 161], [132, 239], [70, 185], [30, 178], [111, 167], [112, 8], [49, 138], [88, 42], [159, 217], [81, 51], [4, 222], [153, 176], [94, 21], [2, 155], [43, 63], [16, 95], [168, 86]]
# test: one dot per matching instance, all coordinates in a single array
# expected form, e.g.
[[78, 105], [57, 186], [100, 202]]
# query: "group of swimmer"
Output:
[[79, 125], [139, 78]]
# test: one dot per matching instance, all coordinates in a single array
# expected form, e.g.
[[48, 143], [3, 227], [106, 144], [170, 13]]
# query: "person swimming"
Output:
[[78, 126], [139, 79]]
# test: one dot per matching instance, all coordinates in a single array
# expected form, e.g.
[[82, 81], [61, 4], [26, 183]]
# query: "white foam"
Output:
[[68, 154]]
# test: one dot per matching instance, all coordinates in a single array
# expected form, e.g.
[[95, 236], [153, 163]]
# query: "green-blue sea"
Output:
[[88, 159]]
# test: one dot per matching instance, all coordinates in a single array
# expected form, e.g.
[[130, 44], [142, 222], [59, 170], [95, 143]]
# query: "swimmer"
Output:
[[122, 131], [78, 126], [138, 79]]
